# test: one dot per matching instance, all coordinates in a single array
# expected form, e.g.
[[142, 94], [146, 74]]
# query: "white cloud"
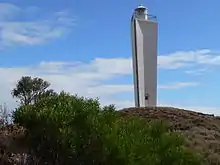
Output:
[[113, 66], [200, 71], [8, 11], [183, 59], [17, 26], [205, 110], [75, 77], [92, 79], [176, 60], [179, 85], [106, 90]]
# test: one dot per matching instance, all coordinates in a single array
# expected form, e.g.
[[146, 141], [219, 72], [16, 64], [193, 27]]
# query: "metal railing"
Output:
[[150, 17]]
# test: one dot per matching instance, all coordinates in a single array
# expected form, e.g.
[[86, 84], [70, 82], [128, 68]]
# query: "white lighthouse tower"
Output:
[[144, 49]]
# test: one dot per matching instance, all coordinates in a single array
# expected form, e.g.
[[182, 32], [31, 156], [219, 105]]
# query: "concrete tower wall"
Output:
[[144, 47], [135, 63]]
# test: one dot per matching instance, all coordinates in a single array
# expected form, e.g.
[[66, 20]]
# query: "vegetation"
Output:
[[66, 129], [30, 90], [201, 131]]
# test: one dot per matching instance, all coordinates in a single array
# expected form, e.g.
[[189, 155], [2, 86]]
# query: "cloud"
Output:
[[95, 78], [205, 110], [200, 71], [183, 59], [92, 79], [201, 59], [8, 11], [179, 85], [28, 26], [130, 103]]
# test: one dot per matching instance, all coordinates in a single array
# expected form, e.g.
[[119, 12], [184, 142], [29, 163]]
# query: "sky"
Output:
[[84, 47]]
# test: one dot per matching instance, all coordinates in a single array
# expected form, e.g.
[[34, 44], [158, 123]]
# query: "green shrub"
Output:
[[72, 130]]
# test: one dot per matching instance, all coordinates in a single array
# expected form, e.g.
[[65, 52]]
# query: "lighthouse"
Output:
[[144, 34]]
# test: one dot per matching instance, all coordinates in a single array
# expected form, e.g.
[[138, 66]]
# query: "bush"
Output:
[[66, 129]]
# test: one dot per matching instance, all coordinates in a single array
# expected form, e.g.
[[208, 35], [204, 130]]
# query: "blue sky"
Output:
[[84, 47]]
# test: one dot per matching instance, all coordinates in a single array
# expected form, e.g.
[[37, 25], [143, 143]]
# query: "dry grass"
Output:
[[201, 131]]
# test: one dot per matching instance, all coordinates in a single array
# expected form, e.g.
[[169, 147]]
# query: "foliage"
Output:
[[65, 129], [29, 90]]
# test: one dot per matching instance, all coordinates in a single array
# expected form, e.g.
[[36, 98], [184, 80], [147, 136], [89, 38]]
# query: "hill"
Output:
[[201, 131]]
